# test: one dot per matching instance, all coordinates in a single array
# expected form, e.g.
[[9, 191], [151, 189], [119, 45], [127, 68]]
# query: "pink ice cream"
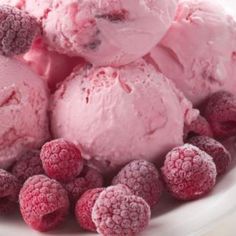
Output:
[[118, 115], [103, 32], [23, 111], [50, 65], [199, 51]]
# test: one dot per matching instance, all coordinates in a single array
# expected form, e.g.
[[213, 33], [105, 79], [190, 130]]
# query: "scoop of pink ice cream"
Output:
[[120, 114], [198, 52], [23, 111], [52, 66], [104, 32]]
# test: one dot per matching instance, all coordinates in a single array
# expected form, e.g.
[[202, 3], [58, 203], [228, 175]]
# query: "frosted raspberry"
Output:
[[143, 179], [89, 178], [17, 30], [83, 208], [61, 160], [188, 172], [200, 126], [220, 111], [117, 213], [44, 203], [216, 150], [9, 190], [27, 166]]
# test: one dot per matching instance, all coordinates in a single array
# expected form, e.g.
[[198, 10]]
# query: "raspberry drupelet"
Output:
[[17, 31], [83, 208], [61, 160], [220, 111], [9, 190], [188, 172], [119, 213], [216, 150], [27, 166], [44, 203], [143, 180]]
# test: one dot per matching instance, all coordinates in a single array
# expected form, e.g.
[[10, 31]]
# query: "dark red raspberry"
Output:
[[216, 150], [220, 111], [200, 126], [44, 203], [89, 179], [9, 190], [17, 30], [119, 213], [188, 172], [29, 165], [83, 208], [61, 160], [143, 180]]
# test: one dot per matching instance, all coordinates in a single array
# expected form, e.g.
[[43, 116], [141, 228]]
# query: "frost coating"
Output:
[[43, 203], [9, 189], [220, 111], [83, 209], [143, 180], [199, 126], [215, 149], [17, 31], [188, 172], [29, 165], [88, 179], [61, 160], [119, 213]]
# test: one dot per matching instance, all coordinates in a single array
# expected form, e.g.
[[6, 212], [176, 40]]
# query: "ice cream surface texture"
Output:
[[198, 52], [118, 115], [102, 31], [23, 111]]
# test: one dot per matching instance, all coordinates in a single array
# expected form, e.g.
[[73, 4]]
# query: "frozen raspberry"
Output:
[[29, 165], [200, 126], [83, 208], [89, 178], [117, 213], [220, 111], [143, 179], [188, 172], [44, 203], [17, 31], [61, 160], [216, 150], [9, 190]]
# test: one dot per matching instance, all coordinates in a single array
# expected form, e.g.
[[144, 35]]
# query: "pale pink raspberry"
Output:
[[188, 172], [220, 111], [9, 190], [44, 203], [216, 150], [143, 180], [17, 31], [61, 160], [119, 213], [83, 208], [88, 179]]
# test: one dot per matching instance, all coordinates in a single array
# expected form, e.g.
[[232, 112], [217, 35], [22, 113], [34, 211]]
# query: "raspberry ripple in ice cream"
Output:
[[50, 65], [23, 111], [198, 52], [116, 115], [104, 32]]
